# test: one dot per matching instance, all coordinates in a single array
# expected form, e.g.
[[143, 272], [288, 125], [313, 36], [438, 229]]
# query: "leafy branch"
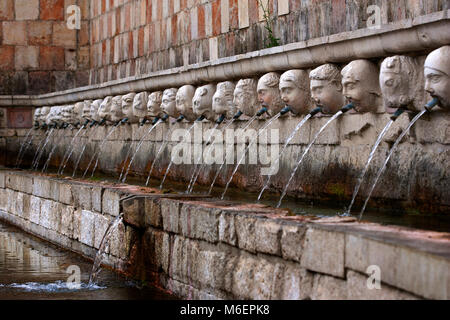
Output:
[[271, 40]]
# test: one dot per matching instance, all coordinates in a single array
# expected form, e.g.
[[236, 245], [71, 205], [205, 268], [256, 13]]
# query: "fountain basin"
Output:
[[201, 248]]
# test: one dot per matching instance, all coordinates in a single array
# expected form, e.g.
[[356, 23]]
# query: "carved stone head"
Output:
[[116, 109], [294, 89], [184, 102], [127, 107], [326, 88], [401, 84], [43, 116], [223, 100], [78, 111], [202, 101], [269, 93], [104, 111], [360, 79], [140, 105], [154, 104], [68, 114], [95, 108], [54, 116], [245, 97], [169, 104], [86, 111], [37, 116], [437, 75]]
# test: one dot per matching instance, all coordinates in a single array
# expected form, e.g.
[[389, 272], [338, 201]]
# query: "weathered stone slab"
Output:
[[227, 229], [87, 228], [134, 212], [292, 242], [2, 179], [268, 235], [296, 283], [41, 187], [3, 199], [67, 224], [324, 252], [65, 193], [110, 203], [35, 209], [199, 223], [153, 215], [328, 288], [82, 196], [245, 232], [170, 212], [96, 198], [101, 223]]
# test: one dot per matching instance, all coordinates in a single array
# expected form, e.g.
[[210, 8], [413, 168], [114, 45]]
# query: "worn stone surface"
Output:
[[153, 212], [82, 196], [324, 252], [170, 212], [87, 228], [268, 235], [292, 241], [199, 223], [328, 288], [245, 232], [110, 203]]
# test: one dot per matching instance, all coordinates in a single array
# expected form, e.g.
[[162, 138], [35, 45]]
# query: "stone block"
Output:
[[7, 10], [153, 215], [328, 288], [357, 289], [52, 10], [19, 183], [211, 268], [77, 224], [245, 232], [111, 203], [432, 128], [18, 210], [2, 180], [54, 190], [268, 235], [134, 212], [227, 228], [199, 223], [39, 33], [62, 36], [414, 271], [296, 283], [101, 225], [41, 187], [65, 193], [11, 205], [3, 200], [49, 217], [324, 252], [96, 197], [26, 206], [35, 209], [292, 242], [287, 127], [27, 9], [15, 33], [51, 58], [27, 58], [6, 58], [82, 196], [66, 227], [87, 228], [170, 212]]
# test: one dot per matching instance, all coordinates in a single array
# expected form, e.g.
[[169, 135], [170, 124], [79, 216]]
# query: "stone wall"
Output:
[[204, 249], [416, 177], [134, 37], [38, 53]]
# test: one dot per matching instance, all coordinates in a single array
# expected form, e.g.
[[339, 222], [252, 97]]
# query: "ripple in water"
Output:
[[58, 286]]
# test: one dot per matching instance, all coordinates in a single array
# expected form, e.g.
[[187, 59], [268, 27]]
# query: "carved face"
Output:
[[140, 105], [78, 111], [245, 97], [223, 100], [116, 109], [68, 115], [154, 104], [360, 81], [54, 116], [269, 93], [437, 75], [169, 104], [86, 111], [37, 116], [104, 111], [184, 102], [94, 111], [293, 84], [328, 95], [44, 113], [202, 101], [127, 107]]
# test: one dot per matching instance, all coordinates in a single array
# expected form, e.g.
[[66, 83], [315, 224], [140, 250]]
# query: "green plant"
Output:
[[271, 40]]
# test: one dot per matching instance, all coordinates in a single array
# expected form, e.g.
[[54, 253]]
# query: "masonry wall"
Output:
[[38, 53], [133, 37], [204, 249]]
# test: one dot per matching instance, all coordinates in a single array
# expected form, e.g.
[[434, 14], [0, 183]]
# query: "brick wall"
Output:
[[132, 37], [38, 53]]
